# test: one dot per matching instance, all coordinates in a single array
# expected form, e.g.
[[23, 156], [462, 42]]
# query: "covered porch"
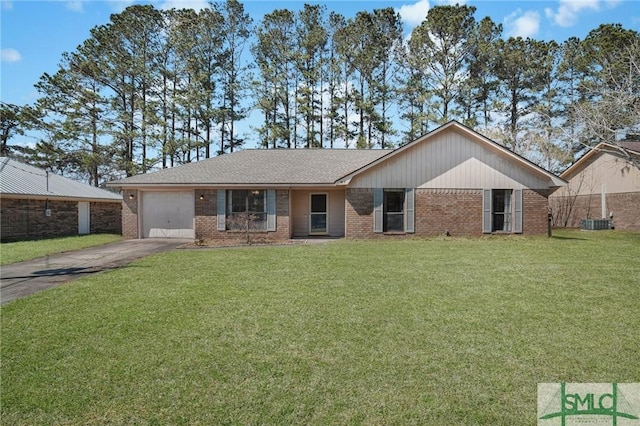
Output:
[[317, 212]]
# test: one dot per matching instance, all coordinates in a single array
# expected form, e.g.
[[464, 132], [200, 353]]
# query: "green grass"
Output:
[[441, 331], [33, 249]]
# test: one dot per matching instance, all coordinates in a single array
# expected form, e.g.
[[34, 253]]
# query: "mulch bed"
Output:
[[236, 242]]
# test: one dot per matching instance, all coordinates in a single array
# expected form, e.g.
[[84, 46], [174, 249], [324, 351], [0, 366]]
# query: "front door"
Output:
[[318, 219]]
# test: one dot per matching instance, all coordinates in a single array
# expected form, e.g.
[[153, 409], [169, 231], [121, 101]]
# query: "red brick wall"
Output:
[[437, 211], [25, 219], [535, 211], [206, 213], [625, 208], [359, 213], [105, 218], [130, 214], [458, 211]]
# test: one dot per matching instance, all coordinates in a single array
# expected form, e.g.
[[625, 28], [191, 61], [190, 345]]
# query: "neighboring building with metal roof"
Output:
[[452, 180], [39, 204], [21, 180], [602, 184]]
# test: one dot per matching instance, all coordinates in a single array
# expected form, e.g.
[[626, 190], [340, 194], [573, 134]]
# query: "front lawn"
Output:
[[33, 249], [440, 331]]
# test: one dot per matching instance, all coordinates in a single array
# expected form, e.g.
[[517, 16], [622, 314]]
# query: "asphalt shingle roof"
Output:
[[263, 167], [17, 178]]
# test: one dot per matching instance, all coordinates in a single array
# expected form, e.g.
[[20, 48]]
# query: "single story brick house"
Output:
[[452, 180], [602, 184], [39, 204]]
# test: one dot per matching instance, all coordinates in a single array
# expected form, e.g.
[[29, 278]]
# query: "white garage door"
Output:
[[167, 214]]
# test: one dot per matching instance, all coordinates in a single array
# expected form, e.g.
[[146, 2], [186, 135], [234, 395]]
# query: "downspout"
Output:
[[47, 211], [603, 202]]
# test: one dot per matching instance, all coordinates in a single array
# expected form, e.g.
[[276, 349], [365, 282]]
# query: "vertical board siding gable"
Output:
[[222, 206], [449, 160]]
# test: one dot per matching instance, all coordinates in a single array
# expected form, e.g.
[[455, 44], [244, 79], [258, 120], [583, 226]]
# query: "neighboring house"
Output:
[[601, 185], [451, 180], [39, 204]]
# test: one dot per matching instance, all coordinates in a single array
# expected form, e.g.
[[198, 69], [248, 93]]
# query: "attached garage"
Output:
[[168, 215]]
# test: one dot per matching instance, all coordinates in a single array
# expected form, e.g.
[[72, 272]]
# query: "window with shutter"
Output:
[[393, 210], [247, 208], [501, 210]]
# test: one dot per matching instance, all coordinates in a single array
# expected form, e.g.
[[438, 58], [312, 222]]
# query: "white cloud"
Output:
[[6, 4], [452, 2], [568, 10], [10, 55], [520, 24], [75, 6], [119, 6], [413, 14], [196, 5]]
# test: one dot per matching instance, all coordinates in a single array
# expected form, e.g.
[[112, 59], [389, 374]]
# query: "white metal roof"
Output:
[[19, 179]]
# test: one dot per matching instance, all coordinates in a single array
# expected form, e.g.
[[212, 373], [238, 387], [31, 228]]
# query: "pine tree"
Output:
[[233, 72]]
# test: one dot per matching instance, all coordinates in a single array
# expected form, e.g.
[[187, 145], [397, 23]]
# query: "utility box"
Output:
[[595, 224]]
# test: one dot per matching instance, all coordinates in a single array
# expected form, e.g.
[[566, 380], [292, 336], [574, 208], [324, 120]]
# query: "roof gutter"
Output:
[[59, 198], [220, 185]]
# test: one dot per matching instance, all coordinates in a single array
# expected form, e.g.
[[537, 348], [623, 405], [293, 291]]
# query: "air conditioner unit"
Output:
[[595, 224]]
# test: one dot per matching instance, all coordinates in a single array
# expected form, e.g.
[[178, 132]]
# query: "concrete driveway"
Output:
[[25, 278]]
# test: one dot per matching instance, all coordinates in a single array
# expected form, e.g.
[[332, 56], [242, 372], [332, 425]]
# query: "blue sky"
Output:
[[34, 34]]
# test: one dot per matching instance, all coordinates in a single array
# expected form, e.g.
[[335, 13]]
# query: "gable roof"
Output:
[[471, 135], [304, 167], [261, 167], [602, 148], [19, 180]]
